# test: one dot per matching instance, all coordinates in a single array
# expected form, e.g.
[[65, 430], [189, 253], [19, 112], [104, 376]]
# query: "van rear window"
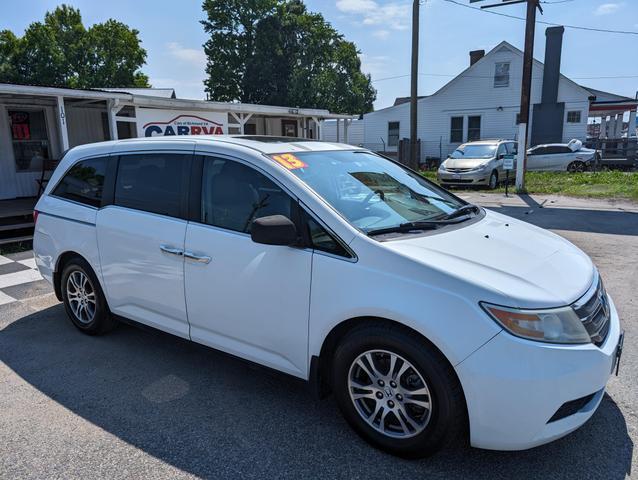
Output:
[[84, 182]]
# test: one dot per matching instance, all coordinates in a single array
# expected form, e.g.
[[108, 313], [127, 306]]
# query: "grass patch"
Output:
[[610, 184]]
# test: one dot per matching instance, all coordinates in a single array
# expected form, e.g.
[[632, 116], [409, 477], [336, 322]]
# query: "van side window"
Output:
[[322, 240], [234, 194], [151, 182], [84, 182]]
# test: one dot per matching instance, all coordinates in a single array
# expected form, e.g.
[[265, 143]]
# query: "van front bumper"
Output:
[[521, 393], [464, 178]]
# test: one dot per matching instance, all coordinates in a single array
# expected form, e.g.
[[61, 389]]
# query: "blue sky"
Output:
[[172, 35]]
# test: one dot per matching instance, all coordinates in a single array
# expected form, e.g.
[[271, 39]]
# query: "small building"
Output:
[[483, 102], [40, 123]]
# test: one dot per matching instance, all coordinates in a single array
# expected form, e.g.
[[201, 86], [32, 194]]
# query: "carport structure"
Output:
[[39, 123], [607, 114], [612, 109]]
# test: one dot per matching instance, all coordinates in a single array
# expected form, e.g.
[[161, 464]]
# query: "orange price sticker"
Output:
[[289, 161]]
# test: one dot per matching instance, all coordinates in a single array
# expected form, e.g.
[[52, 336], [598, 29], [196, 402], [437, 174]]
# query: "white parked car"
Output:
[[570, 157], [426, 316]]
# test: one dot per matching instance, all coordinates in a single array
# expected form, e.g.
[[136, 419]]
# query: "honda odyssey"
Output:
[[427, 317]]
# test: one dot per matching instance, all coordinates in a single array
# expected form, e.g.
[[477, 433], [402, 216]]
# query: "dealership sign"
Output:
[[155, 122]]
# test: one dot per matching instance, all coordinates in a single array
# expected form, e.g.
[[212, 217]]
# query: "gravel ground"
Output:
[[140, 403]]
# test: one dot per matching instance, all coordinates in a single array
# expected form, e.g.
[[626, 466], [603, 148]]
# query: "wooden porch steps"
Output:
[[16, 220]]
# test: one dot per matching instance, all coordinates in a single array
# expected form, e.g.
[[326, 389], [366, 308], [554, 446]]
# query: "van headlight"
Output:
[[442, 167], [480, 168], [553, 325]]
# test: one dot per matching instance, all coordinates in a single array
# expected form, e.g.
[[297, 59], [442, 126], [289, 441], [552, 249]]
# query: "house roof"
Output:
[[601, 96], [513, 49], [151, 92], [402, 100], [151, 101]]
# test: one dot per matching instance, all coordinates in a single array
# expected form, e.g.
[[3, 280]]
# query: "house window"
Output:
[[573, 116], [456, 130], [502, 74], [473, 128], [29, 138], [393, 134]]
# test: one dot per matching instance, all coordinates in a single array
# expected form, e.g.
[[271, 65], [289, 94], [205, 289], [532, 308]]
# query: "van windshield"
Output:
[[474, 151], [370, 191]]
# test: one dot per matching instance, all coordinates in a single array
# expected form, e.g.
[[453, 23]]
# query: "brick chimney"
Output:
[[476, 55]]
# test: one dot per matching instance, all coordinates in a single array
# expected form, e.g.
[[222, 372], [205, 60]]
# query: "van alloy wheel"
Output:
[[81, 296], [390, 394]]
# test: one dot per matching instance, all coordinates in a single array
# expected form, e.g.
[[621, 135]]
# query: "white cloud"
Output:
[[381, 34], [184, 87], [375, 65], [394, 15], [607, 8], [189, 55]]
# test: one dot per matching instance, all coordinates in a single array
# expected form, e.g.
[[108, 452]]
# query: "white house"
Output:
[[483, 102]]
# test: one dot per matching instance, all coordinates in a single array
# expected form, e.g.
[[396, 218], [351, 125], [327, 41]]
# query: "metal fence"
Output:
[[615, 152]]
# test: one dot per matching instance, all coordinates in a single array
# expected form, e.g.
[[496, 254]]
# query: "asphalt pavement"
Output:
[[138, 403]]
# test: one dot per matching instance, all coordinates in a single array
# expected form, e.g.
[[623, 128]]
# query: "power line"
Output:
[[513, 78], [575, 27]]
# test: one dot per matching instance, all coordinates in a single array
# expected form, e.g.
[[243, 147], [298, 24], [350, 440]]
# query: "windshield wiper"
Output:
[[411, 226], [464, 210]]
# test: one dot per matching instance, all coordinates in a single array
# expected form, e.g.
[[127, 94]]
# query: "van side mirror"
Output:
[[501, 156], [274, 230]]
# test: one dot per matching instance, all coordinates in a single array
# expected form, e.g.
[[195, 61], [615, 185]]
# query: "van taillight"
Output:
[[35, 216]]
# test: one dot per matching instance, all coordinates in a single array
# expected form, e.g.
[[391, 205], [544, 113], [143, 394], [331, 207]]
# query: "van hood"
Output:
[[465, 162], [525, 265]]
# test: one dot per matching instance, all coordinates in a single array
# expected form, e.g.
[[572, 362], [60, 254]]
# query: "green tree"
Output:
[[61, 52], [231, 25], [281, 54]]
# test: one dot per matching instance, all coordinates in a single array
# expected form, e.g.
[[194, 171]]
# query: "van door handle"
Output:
[[171, 250], [197, 258]]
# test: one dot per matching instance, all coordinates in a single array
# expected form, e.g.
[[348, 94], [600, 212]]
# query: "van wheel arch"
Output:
[[59, 267], [321, 367]]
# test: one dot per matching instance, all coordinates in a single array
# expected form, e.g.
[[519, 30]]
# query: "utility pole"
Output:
[[526, 85], [414, 74]]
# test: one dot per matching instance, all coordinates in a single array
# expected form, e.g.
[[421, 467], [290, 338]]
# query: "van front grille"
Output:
[[593, 310]]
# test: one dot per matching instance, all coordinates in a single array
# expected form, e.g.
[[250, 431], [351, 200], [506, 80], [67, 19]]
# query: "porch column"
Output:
[[62, 124], [619, 123], [338, 122], [317, 129], [603, 127], [345, 130], [631, 129], [112, 107]]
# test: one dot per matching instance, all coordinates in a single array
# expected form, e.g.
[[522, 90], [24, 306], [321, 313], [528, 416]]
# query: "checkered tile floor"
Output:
[[19, 278]]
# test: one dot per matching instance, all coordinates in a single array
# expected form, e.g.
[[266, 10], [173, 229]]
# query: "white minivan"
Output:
[[427, 317]]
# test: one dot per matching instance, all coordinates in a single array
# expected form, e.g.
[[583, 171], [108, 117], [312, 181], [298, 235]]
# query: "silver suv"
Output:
[[476, 163]]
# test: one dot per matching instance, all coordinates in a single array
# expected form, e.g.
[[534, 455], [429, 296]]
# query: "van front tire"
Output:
[[397, 391], [84, 300]]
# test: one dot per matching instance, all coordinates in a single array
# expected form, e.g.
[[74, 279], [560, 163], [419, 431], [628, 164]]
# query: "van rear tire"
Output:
[[84, 301]]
